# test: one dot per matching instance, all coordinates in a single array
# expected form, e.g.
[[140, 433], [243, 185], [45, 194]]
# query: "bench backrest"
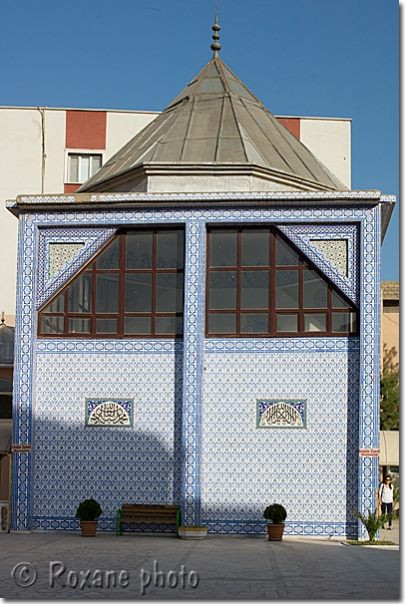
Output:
[[130, 510]]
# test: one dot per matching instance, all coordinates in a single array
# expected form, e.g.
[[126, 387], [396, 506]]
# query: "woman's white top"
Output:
[[386, 494]]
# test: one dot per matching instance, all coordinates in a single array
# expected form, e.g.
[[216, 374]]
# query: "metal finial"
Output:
[[2, 318], [216, 46]]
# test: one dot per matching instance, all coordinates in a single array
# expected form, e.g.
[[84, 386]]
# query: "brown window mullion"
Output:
[[154, 283]]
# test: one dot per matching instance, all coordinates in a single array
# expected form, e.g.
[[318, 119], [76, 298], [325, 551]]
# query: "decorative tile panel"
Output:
[[281, 413], [334, 250], [60, 254], [108, 412]]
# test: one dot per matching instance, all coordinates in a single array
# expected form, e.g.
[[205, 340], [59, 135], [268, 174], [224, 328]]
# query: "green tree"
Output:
[[389, 398]]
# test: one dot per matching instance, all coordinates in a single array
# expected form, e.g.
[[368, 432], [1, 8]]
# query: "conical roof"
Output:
[[215, 121]]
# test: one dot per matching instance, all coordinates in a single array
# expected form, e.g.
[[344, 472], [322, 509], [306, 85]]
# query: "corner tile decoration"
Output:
[[334, 249], [183, 456], [109, 412], [55, 253], [60, 254], [281, 413]]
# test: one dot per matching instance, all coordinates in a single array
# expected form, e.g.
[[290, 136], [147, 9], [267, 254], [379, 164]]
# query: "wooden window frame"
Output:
[[271, 313]]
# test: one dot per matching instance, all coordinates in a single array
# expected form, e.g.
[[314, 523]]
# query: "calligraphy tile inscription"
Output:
[[281, 413], [109, 412]]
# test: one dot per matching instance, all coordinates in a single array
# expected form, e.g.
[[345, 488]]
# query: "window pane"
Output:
[[315, 322], [254, 323], [6, 404], [222, 323], [287, 323], [138, 292], [223, 290], [52, 324], [169, 292], [255, 247], [170, 249], [255, 289], [84, 168], [6, 385], [95, 164], [80, 294], [110, 258], [287, 289], [285, 255], [73, 168], [338, 301], [223, 248], [344, 322], [139, 250], [107, 293], [106, 325], [79, 325], [315, 291], [169, 325], [138, 325], [57, 305]]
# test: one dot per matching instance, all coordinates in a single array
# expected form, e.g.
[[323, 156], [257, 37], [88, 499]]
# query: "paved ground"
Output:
[[70, 566]]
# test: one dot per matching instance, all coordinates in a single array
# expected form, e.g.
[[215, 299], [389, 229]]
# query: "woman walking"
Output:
[[386, 499]]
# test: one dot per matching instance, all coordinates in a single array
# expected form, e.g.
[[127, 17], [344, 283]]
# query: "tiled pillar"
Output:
[[369, 413], [23, 376], [194, 304]]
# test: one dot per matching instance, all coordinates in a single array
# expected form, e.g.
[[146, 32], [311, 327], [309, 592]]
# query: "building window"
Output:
[[259, 284], [82, 166], [6, 398], [133, 288]]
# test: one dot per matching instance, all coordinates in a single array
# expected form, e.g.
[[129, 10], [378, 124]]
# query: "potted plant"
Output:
[[277, 514], [88, 512], [192, 532]]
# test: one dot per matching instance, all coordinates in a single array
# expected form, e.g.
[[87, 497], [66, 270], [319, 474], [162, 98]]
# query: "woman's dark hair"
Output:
[[390, 479]]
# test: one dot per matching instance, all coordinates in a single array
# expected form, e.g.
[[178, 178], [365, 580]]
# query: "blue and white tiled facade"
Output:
[[194, 439]]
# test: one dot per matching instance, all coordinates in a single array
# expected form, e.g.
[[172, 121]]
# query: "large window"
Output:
[[258, 284], [133, 288]]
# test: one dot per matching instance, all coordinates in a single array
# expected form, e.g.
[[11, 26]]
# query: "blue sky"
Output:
[[323, 58]]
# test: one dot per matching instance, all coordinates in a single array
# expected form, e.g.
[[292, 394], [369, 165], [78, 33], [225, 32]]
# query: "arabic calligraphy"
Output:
[[281, 414], [109, 412]]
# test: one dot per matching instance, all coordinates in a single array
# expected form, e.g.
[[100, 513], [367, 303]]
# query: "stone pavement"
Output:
[[66, 565]]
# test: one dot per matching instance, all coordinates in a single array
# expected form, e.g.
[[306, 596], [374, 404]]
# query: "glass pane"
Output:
[[106, 325], [287, 289], [255, 289], [223, 289], [223, 248], [285, 255], [222, 323], [84, 168], [6, 404], [315, 322], [139, 250], [169, 292], [255, 247], [315, 291], [170, 249], [338, 301], [138, 325], [138, 292], [52, 324], [110, 258], [6, 385], [287, 323], [254, 323], [57, 305], [73, 168], [107, 292], [95, 164], [344, 322], [80, 294], [79, 325], [169, 325]]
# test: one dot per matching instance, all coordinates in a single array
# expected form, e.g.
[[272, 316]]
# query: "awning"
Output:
[[389, 448]]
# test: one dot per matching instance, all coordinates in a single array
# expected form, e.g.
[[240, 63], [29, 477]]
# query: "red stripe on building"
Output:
[[86, 129], [292, 124], [70, 188]]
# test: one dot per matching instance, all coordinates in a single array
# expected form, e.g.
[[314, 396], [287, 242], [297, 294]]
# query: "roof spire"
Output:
[[216, 46]]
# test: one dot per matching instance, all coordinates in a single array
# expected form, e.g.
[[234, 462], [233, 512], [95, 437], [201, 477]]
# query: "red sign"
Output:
[[21, 448], [369, 452]]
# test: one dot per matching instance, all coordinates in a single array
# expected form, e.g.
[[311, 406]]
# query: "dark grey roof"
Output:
[[217, 120], [6, 344]]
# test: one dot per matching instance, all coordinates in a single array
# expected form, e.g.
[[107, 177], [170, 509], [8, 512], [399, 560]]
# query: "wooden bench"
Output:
[[145, 513]]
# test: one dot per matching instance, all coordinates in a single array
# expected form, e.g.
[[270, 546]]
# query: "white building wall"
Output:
[[122, 126], [55, 128]]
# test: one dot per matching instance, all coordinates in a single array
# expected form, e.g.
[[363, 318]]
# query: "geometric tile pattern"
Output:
[[29, 379], [62, 252], [334, 249]]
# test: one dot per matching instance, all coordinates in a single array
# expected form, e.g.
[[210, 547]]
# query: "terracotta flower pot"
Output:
[[88, 527], [275, 532]]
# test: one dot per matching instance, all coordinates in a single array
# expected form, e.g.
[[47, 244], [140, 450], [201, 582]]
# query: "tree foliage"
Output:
[[372, 521], [389, 392]]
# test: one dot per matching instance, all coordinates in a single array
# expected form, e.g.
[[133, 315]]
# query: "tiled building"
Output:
[[212, 295]]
